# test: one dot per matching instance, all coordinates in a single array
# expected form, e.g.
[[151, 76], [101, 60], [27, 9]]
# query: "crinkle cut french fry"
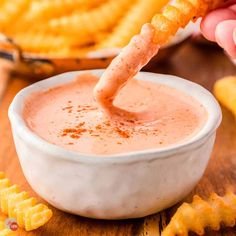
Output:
[[99, 19], [179, 15], [75, 28], [44, 10], [10, 11], [66, 52], [38, 42], [19, 205], [131, 23], [201, 214], [225, 92]]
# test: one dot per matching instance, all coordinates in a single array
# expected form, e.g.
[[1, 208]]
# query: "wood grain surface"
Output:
[[198, 63]]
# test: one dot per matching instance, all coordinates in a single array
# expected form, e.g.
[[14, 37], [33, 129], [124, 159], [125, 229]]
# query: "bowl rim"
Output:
[[198, 92]]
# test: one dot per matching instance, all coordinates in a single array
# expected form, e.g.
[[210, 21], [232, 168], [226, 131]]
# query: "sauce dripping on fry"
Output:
[[124, 67]]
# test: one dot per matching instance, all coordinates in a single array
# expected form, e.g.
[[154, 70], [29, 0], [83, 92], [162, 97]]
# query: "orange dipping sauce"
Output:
[[69, 117]]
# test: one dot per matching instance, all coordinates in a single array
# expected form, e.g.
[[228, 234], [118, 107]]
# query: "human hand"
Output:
[[220, 26]]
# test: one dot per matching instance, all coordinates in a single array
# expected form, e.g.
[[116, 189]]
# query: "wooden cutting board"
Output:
[[197, 63]]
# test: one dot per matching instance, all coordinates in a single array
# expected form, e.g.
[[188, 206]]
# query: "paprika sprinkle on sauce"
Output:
[[81, 126]]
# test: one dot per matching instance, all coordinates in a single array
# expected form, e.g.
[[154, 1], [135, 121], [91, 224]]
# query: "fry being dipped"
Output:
[[142, 48]]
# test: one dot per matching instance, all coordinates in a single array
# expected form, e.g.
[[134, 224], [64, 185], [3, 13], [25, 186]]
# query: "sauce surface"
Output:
[[68, 116]]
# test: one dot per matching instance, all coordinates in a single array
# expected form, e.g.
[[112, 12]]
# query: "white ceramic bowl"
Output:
[[119, 186]]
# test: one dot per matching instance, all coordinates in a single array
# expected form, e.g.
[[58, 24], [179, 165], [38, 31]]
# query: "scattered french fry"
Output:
[[225, 92], [28, 214], [201, 214]]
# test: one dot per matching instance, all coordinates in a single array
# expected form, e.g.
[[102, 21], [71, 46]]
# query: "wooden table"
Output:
[[200, 64]]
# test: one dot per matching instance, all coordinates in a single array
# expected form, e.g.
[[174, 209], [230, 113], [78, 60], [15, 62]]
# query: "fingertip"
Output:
[[210, 22], [225, 35], [207, 30]]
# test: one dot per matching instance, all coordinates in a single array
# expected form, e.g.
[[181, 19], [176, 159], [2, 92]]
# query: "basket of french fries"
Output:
[[40, 38]]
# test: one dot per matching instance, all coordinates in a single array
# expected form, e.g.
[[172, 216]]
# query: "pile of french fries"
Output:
[[74, 27]]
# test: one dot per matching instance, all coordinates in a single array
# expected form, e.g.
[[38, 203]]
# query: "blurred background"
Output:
[[40, 38]]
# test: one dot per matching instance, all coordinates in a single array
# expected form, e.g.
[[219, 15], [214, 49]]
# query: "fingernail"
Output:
[[234, 35]]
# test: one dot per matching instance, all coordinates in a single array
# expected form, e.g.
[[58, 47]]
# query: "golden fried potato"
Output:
[[99, 19], [48, 9], [131, 23], [225, 92], [178, 16], [201, 214], [19, 205], [69, 26], [10, 11]]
